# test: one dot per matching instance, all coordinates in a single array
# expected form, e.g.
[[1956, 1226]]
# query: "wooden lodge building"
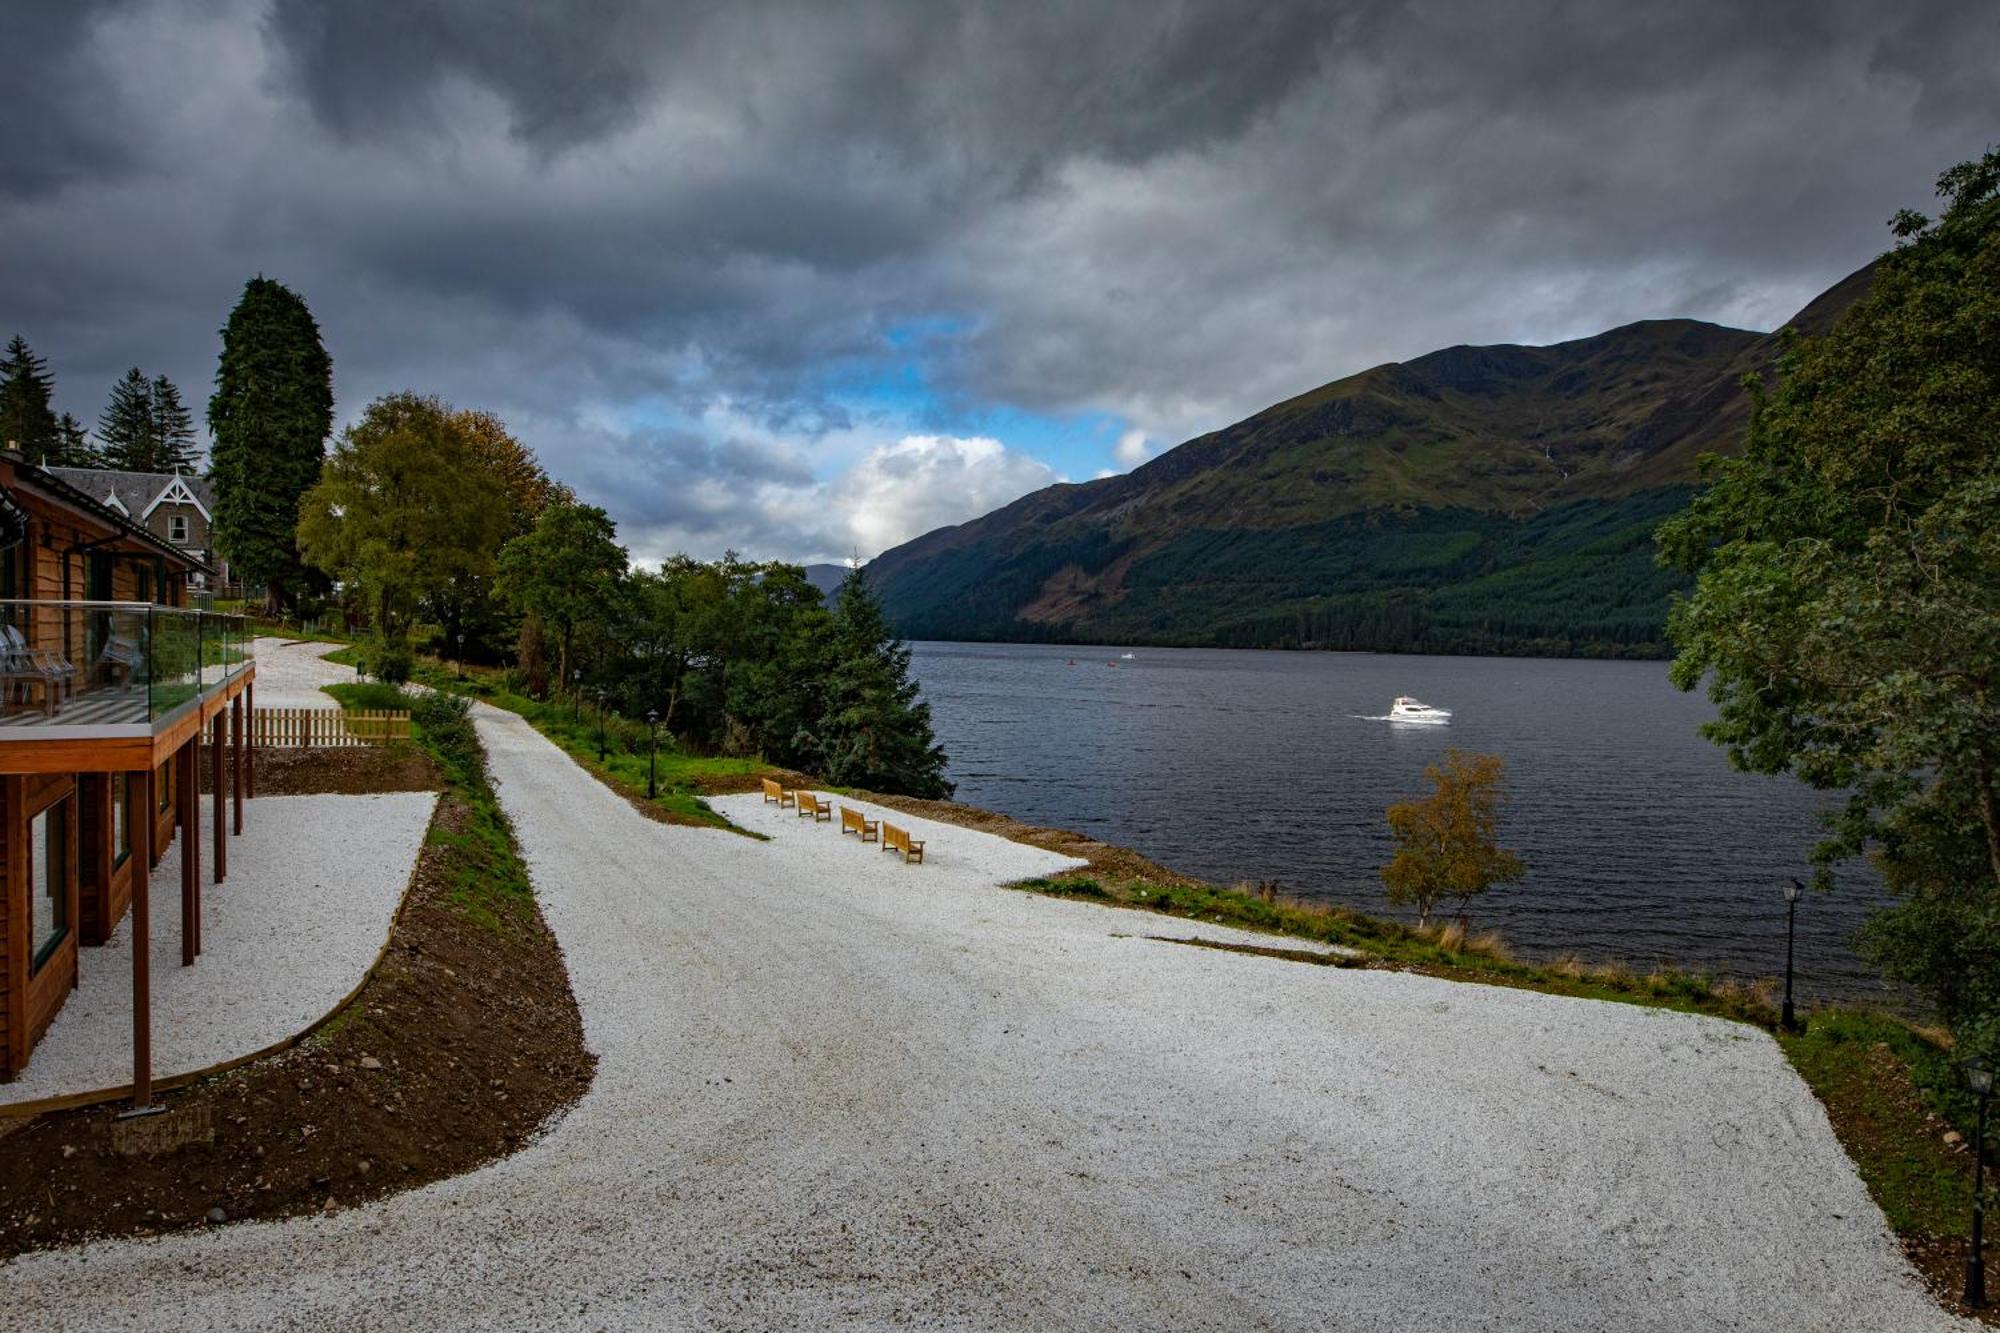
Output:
[[112, 693]]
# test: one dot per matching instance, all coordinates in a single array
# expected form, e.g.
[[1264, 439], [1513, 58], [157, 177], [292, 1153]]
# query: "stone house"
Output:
[[174, 507]]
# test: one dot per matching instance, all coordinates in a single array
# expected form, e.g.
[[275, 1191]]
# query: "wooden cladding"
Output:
[[326, 728]]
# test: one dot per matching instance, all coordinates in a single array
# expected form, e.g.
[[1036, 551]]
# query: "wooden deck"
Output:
[[109, 705]]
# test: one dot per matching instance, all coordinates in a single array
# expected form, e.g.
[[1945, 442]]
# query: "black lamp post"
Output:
[[1793, 892], [461, 654], [652, 752], [576, 694], [600, 724], [1978, 1077]]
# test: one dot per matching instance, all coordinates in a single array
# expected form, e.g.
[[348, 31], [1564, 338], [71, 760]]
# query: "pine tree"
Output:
[[27, 422], [268, 423], [173, 429], [73, 445], [126, 425], [876, 730]]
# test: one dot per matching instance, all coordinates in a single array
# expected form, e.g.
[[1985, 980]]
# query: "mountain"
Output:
[[827, 578], [1478, 499]]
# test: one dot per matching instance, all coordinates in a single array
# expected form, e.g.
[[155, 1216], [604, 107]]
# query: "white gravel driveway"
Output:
[[836, 1091], [313, 885], [290, 673]]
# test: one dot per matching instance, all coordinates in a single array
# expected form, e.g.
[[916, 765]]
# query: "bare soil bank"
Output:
[[461, 1044]]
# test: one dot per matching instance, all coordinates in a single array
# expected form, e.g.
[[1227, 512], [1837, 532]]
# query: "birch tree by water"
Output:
[[1448, 843]]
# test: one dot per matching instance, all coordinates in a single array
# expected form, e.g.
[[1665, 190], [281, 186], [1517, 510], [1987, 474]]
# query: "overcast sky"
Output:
[[806, 280]]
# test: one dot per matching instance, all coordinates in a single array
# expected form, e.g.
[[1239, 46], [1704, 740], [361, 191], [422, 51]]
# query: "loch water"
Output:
[[1643, 845]]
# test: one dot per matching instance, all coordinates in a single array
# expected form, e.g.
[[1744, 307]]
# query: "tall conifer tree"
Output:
[[125, 427], [173, 429], [876, 731], [27, 422], [268, 422], [73, 445]]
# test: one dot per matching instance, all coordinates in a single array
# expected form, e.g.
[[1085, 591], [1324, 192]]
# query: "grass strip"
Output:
[[486, 879]]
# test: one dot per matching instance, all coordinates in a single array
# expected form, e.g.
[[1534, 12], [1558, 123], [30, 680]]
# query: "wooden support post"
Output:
[[187, 773], [249, 723], [218, 799], [236, 758], [142, 941]]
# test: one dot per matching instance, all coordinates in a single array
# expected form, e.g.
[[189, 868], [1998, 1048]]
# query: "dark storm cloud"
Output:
[[49, 136], [602, 215], [1001, 88]]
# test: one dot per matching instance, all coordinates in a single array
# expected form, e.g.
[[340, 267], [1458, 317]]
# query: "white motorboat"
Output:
[[1406, 709]]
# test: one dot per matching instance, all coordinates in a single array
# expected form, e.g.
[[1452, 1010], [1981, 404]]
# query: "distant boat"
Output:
[[1124, 657], [1406, 709]]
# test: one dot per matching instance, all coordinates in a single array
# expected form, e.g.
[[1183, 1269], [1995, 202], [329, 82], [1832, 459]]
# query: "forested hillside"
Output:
[[1478, 499]]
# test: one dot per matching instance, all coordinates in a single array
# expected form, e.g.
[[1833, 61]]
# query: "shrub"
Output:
[[445, 723], [394, 664]]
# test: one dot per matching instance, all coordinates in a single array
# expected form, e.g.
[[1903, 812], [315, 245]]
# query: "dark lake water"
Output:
[[1642, 844]]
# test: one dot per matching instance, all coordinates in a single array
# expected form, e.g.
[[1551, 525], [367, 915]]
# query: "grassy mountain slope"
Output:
[[1477, 499]]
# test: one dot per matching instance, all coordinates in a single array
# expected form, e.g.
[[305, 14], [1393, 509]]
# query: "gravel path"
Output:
[[313, 884], [289, 673], [836, 1091]]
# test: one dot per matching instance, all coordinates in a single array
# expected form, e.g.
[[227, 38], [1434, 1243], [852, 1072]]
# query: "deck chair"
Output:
[[121, 654], [54, 670], [20, 669]]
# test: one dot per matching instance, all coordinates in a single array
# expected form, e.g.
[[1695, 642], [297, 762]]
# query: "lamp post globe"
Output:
[[1794, 891], [652, 752], [1978, 1077]]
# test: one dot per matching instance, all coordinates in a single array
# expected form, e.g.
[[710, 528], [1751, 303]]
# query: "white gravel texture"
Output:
[[836, 1091], [313, 884], [289, 673]]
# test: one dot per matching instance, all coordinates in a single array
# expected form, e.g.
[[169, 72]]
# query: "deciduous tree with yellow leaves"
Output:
[[1447, 843]]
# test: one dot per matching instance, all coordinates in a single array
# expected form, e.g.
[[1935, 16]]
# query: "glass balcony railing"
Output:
[[111, 664]]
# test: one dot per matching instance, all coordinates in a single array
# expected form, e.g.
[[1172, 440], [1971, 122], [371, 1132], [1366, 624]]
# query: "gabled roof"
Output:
[[138, 492], [56, 482]]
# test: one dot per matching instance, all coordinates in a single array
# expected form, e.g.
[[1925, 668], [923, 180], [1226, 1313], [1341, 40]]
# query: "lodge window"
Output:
[[48, 881], [177, 529], [121, 817]]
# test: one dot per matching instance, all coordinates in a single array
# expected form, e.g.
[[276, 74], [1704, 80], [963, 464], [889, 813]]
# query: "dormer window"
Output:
[[177, 529]]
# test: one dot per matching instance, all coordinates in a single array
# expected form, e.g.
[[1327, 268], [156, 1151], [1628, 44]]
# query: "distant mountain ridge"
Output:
[[827, 578], [1476, 499]]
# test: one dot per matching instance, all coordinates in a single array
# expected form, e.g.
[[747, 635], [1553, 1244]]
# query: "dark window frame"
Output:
[[121, 829], [62, 812]]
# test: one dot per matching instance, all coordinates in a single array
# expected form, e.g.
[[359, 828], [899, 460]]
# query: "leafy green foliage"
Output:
[[27, 421], [401, 509], [1847, 605], [565, 572], [269, 419]]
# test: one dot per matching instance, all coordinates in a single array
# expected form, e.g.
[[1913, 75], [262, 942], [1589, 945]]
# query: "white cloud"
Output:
[[1132, 449], [921, 482], [681, 494]]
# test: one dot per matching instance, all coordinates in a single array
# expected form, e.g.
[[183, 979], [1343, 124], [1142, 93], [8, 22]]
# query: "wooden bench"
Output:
[[809, 804], [899, 840], [852, 821], [775, 794]]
